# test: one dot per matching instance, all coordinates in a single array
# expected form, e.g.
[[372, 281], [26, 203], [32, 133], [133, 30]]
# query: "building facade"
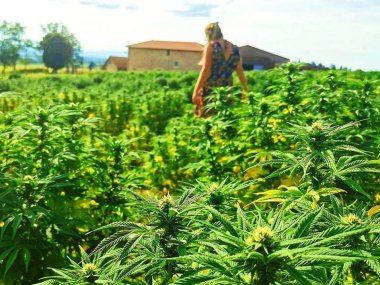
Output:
[[164, 55]]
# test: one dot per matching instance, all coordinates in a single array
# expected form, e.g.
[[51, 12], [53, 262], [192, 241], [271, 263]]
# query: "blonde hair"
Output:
[[213, 32]]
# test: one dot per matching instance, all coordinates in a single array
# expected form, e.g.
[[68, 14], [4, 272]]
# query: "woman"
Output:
[[220, 59]]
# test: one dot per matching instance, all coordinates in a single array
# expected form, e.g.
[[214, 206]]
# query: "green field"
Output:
[[109, 178]]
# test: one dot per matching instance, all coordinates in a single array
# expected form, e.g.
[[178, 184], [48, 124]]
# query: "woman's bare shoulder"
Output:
[[207, 48]]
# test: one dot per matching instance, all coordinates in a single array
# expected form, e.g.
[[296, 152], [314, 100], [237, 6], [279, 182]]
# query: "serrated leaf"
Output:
[[11, 259]]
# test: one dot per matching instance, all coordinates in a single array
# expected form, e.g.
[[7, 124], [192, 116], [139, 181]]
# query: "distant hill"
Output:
[[98, 57]]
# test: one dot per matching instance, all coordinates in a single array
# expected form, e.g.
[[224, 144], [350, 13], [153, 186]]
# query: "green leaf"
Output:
[[11, 259], [5, 253], [226, 223], [197, 279], [354, 186], [329, 159], [15, 225], [26, 258], [306, 222], [297, 275], [242, 219]]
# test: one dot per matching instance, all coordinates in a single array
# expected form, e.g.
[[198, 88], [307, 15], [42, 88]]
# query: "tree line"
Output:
[[59, 47]]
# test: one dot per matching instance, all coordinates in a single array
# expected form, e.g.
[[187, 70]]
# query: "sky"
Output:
[[340, 32]]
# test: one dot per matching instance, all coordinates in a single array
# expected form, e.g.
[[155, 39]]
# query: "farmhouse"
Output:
[[164, 55], [184, 56], [115, 63], [254, 58]]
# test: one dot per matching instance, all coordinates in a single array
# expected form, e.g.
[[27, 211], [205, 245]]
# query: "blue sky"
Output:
[[340, 32]]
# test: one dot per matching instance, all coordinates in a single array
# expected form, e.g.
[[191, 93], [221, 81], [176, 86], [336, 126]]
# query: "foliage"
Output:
[[11, 43], [60, 47], [279, 188], [57, 51]]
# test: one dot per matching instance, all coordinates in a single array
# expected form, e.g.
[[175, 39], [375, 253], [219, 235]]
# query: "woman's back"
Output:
[[225, 58]]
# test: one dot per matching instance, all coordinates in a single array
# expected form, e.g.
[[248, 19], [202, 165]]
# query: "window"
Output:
[[168, 52], [176, 64], [258, 67]]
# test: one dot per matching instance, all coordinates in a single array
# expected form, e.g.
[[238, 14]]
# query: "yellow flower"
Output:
[[288, 110], [377, 197], [253, 173], [224, 159], [89, 269], [2, 223], [236, 169], [61, 96], [172, 151], [28, 177], [168, 182], [304, 102], [272, 122], [260, 235], [317, 126], [158, 159], [167, 200], [90, 170], [275, 138], [85, 247], [351, 219]]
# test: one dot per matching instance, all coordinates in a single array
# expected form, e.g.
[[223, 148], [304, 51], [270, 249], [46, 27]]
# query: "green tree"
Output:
[[26, 58], [60, 47], [57, 51], [11, 43]]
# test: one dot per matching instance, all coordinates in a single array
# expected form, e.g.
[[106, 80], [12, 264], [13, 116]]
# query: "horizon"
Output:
[[331, 32]]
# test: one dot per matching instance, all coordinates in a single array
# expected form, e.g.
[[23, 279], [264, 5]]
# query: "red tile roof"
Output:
[[120, 62], [184, 46]]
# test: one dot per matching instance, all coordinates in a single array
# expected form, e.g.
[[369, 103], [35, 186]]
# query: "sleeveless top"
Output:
[[222, 68]]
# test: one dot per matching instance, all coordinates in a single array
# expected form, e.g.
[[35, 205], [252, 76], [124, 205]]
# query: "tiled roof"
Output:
[[255, 48], [120, 62], [184, 46]]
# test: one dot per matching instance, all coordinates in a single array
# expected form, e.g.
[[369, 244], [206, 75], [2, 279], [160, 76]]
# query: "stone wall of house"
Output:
[[155, 59], [110, 66]]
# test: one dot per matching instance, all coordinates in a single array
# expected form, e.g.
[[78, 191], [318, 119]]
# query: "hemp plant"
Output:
[[275, 247], [149, 247], [36, 214], [324, 159]]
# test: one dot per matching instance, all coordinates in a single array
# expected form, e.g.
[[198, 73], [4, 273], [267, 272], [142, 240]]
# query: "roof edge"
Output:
[[264, 51]]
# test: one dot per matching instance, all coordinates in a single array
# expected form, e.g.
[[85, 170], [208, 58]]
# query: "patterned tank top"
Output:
[[222, 68]]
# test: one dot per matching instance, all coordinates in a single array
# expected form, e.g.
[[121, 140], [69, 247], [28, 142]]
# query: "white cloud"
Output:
[[343, 32]]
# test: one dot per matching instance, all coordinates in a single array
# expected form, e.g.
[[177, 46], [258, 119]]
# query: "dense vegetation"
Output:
[[108, 178]]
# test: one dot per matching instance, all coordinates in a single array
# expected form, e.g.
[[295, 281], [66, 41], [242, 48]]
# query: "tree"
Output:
[[91, 65], [11, 43], [65, 46], [28, 45], [57, 51]]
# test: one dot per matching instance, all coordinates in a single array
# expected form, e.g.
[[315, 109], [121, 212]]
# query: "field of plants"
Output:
[[109, 178]]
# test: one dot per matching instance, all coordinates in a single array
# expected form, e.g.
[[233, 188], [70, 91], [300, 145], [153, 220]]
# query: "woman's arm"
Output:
[[241, 76], [203, 75]]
